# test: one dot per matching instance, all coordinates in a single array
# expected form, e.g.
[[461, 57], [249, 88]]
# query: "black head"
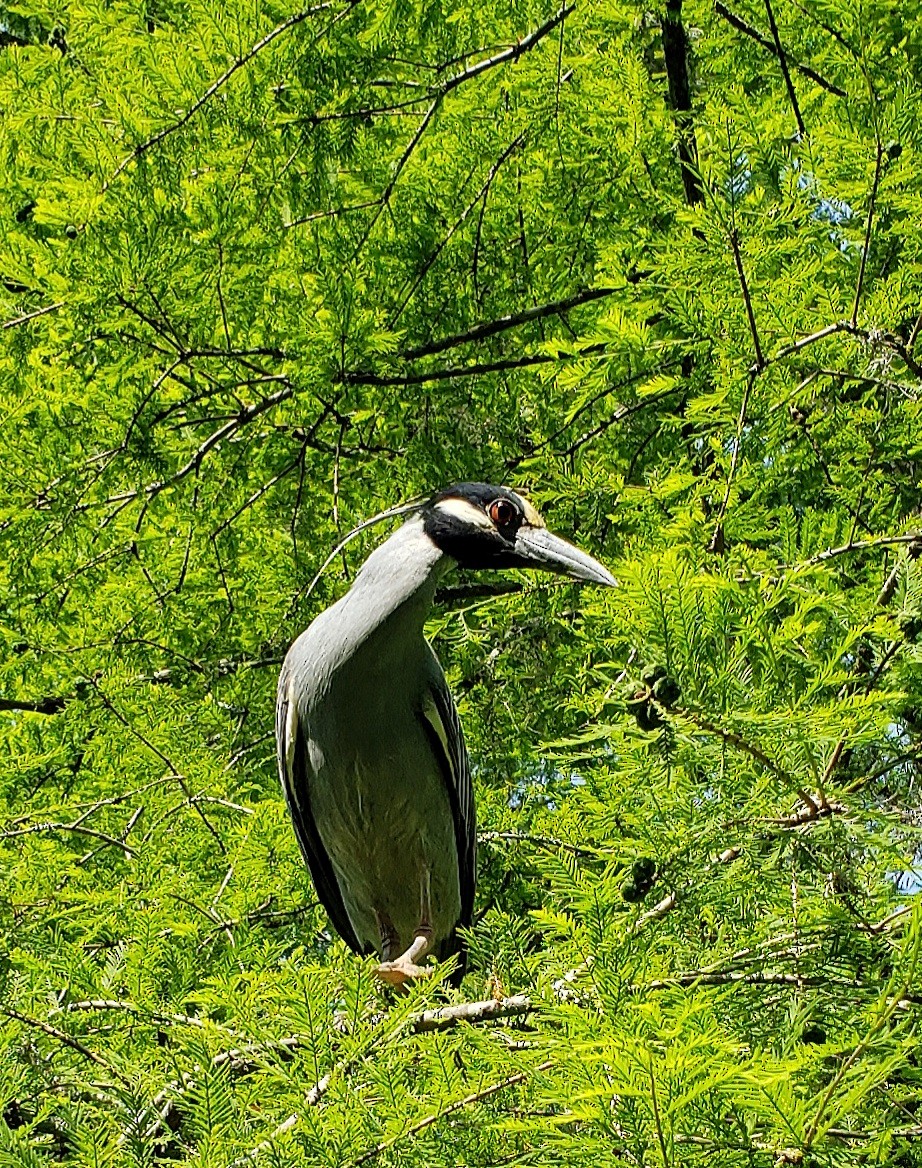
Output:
[[484, 526]]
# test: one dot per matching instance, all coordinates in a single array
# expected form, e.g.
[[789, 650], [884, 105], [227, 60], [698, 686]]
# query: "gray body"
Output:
[[372, 759]]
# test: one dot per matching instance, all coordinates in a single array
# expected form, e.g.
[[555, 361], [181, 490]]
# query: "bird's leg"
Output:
[[404, 968], [388, 935]]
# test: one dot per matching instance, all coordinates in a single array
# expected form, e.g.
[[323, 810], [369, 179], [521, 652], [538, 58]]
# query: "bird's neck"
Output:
[[397, 582]]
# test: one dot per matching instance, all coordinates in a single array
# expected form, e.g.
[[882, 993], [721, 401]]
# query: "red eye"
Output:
[[502, 512]]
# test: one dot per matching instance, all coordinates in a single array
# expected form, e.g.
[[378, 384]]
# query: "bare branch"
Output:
[[539, 841], [49, 705], [733, 739], [471, 1012], [18, 320], [437, 93], [479, 332], [481, 194], [860, 545], [64, 1038], [79, 829], [384, 199], [618, 416], [702, 977], [174, 773], [783, 62], [450, 1109], [362, 377], [511, 54], [243, 418], [872, 202], [742, 26]]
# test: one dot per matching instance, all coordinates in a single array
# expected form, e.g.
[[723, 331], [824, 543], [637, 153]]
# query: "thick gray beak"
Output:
[[539, 548]]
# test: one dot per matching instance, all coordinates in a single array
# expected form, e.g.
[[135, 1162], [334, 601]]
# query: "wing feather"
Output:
[[293, 772], [440, 716]]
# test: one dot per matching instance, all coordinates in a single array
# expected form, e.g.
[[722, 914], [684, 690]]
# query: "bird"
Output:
[[371, 752]]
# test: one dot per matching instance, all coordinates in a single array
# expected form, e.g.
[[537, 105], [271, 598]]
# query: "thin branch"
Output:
[[49, 705], [18, 320], [436, 252], [701, 977], [783, 62], [717, 542], [174, 773], [243, 418], [384, 199], [747, 299], [212, 89], [79, 829], [64, 1038], [538, 841], [742, 26], [363, 377], [805, 342], [872, 202], [439, 92], [618, 416], [756, 753], [331, 214], [450, 1109], [861, 545], [666, 905], [479, 332], [512, 53]]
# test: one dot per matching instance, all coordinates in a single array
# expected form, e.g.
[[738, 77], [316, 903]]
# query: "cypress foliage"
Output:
[[267, 270]]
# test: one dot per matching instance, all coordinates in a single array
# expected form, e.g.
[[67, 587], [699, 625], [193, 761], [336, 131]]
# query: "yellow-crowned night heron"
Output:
[[371, 753]]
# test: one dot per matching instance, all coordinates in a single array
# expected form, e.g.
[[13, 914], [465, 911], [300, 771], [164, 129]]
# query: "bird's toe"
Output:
[[398, 973]]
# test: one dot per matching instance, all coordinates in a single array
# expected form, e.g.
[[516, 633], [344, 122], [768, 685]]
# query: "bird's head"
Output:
[[482, 526]]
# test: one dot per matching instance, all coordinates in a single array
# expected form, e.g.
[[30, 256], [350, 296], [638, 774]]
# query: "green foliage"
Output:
[[266, 271]]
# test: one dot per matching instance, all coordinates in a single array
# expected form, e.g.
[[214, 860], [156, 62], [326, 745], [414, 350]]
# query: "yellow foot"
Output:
[[399, 972]]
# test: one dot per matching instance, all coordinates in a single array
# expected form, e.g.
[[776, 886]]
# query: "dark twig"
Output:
[[243, 418], [212, 89], [381, 202], [618, 416], [440, 91], [538, 841], [479, 332], [436, 252], [747, 299], [512, 53], [717, 541], [733, 739], [872, 201], [450, 1109], [783, 62], [64, 1038], [363, 377], [174, 773], [77, 828], [49, 705], [742, 26]]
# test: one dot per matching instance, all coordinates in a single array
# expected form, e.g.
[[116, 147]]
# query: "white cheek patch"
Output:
[[532, 518], [469, 515]]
